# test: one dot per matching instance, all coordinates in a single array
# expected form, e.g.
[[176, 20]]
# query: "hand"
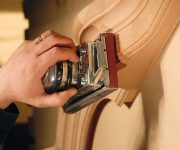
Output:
[[20, 77]]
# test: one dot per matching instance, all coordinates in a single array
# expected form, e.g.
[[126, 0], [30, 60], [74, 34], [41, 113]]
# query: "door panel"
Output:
[[152, 122], [143, 28]]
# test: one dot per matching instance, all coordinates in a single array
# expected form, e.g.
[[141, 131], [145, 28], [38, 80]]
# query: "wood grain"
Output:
[[144, 27]]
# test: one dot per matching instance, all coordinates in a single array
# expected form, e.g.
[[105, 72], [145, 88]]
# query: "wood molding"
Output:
[[139, 25], [143, 28]]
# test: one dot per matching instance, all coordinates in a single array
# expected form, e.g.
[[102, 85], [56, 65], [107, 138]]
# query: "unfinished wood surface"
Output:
[[143, 28]]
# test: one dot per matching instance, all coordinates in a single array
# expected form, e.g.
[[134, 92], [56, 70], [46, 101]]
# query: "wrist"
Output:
[[4, 101]]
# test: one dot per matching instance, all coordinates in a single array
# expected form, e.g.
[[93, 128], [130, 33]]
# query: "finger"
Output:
[[58, 54], [43, 36], [54, 55], [54, 100], [37, 40], [54, 40], [48, 33]]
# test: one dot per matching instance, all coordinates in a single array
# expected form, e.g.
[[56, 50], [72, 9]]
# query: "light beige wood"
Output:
[[144, 27], [153, 121], [136, 24]]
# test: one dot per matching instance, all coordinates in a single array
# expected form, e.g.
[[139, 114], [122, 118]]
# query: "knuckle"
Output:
[[70, 40], [57, 39], [37, 104], [50, 32], [54, 38], [53, 53]]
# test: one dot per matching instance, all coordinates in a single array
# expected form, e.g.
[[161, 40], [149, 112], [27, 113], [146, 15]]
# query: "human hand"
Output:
[[20, 77]]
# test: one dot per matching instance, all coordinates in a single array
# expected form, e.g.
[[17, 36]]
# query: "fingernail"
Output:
[[76, 59]]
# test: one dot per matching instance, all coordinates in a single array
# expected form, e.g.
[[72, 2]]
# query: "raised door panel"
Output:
[[143, 28]]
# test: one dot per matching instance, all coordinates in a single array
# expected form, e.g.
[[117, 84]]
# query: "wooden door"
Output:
[[143, 28]]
